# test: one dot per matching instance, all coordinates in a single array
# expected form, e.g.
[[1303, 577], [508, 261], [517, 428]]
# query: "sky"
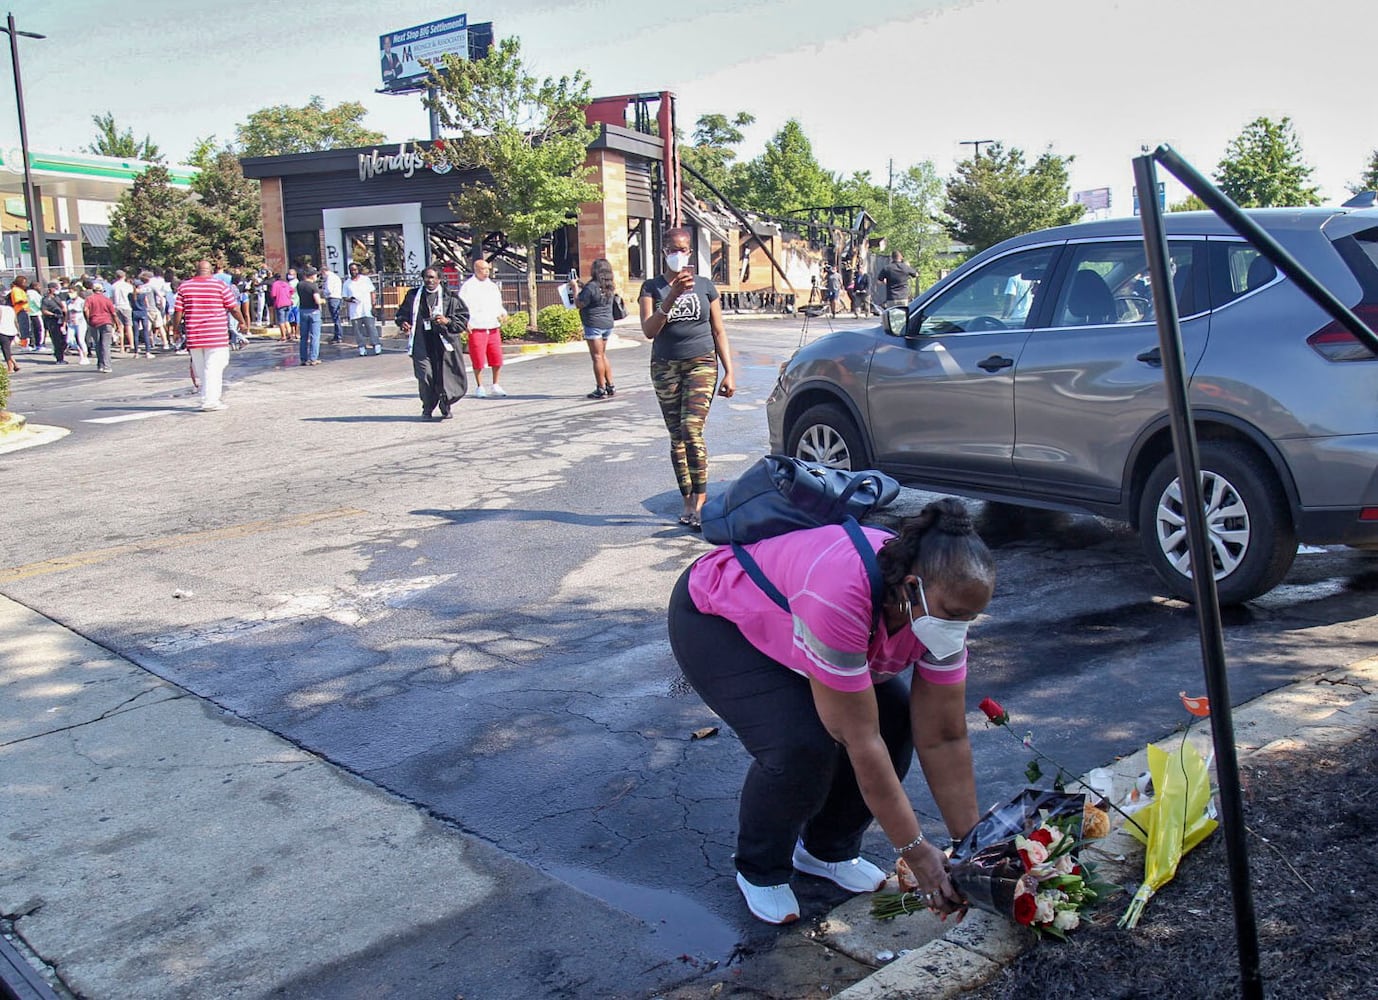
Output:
[[874, 84]]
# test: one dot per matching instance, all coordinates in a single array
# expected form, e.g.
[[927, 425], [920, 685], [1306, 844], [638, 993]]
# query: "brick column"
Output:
[[274, 228], [603, 224]]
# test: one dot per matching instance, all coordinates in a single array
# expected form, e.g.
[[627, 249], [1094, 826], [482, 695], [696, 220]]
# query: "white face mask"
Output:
[[942, 638], [677, 260]]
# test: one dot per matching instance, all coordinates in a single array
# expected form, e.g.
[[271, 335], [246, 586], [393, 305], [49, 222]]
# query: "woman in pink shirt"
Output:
[[817, 695]]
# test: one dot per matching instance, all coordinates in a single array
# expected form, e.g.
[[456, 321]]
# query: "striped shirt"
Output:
[[204, 304], [826, 634]]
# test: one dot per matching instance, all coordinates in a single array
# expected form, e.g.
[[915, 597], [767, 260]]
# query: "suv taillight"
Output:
[[1335, 343]]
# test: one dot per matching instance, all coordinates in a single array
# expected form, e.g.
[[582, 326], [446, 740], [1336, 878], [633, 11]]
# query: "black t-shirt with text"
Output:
[[687, 333]]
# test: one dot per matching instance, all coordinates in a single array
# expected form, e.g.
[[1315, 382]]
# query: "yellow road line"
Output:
[[79, 559]]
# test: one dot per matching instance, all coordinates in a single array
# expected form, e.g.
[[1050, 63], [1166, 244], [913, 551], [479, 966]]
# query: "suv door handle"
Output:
[[994, 363], [1153, 357]]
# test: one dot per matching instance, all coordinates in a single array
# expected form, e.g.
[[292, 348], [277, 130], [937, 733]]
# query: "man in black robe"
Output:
[[434, 318]]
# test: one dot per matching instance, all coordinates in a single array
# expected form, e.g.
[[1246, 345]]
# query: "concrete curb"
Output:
[[1330, 709], [27, 435]]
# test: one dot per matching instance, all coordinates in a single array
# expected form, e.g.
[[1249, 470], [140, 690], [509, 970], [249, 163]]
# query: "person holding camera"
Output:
[[833, 696], [682, 317]]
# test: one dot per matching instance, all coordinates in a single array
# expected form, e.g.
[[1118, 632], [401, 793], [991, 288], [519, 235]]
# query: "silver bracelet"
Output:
[[911, 845]]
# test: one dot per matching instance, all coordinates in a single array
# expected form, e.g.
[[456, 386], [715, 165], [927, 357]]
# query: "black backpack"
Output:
[[780, 494]]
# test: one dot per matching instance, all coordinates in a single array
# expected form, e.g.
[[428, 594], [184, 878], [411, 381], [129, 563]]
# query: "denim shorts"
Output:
[[282, 312], [593, 334]]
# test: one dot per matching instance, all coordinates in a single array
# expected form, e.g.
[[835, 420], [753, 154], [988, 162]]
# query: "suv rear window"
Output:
[[1237, 268]]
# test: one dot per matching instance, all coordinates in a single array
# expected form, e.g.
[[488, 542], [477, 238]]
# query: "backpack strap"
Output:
[[863, 548]]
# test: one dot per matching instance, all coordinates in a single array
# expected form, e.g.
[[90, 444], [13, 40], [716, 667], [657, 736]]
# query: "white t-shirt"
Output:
[[484, 302], [120, 292], [332, 289], [360, 289]]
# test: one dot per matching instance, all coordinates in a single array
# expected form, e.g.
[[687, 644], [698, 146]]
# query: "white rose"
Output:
[[1066, 920], [1045, 912], [1036, 852], [1064, 864]]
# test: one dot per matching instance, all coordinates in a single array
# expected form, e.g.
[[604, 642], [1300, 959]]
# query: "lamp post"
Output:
[[978, 143], [31, 205]]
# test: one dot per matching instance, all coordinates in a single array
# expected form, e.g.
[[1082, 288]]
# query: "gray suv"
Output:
[[1031, 375]]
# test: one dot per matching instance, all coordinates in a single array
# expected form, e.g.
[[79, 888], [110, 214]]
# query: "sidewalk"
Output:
[[159, 848]]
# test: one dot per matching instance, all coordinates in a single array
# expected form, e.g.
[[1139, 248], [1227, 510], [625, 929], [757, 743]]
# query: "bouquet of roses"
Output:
[[1019, 862]]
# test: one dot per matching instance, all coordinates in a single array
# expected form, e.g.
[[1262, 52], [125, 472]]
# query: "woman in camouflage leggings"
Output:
[[681, 316]]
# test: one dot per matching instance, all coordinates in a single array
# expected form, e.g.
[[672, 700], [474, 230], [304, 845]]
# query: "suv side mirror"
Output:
[[895, 321]]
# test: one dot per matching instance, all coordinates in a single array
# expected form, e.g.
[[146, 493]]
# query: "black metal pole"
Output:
[[1217, 202], [432, 114], [1202, 577], [30, 202]]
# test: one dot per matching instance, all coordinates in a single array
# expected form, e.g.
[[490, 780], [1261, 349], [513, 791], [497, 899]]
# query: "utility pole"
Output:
[[890, 185], [37, 241], [978, 143]]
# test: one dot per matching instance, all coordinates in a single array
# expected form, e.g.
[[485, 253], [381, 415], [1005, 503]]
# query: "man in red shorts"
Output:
[[483, 298]]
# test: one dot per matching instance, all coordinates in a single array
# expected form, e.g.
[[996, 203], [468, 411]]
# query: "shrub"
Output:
[[559, 324], [514, 326], [4, 389]]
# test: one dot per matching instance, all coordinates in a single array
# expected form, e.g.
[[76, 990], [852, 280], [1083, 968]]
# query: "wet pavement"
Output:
[[469, 623]]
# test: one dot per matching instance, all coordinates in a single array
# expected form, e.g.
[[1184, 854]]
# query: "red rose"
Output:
[[994, 712], [1076, 869], [1025, 908], [1043, 835]]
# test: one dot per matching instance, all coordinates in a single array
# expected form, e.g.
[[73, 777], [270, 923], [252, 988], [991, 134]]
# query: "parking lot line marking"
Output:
[[128, 416], [94, 556]]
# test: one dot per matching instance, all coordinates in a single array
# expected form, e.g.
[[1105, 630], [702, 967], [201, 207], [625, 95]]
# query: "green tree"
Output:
[[785, 177], [906, 214], [713, 154], [283, 129], [1368, 182], [994, 196], [529, 136], [151, 225], [1190, 203], [228, 217], [1263, 167], [112, 141]]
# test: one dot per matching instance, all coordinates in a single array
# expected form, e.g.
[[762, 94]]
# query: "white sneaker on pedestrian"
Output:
[[775, 904], [361, 352], [377, 349], [481, 393], [498, 391], [856, 875]]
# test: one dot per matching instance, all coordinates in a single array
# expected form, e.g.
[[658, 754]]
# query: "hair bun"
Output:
[[953, 518]]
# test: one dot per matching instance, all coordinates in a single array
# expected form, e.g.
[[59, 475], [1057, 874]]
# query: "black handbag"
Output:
[[619, 308]]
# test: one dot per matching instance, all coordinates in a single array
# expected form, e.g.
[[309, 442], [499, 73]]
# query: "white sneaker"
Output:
[[498, 391], [377, 349], [481, 393], [775, 904], [856, 875], [361, 352], [209, 407]]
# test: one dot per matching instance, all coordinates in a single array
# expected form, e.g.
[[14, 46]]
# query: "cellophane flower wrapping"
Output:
[[1018, 862]]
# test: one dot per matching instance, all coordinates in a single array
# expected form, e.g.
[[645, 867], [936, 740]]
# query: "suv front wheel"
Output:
[[825, 434], [1249, 530]]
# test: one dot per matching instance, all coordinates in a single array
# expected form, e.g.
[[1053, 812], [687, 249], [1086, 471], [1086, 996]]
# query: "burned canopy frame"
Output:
[[1189, 479]]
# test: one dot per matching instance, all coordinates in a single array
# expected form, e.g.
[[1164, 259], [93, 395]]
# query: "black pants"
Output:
[[56, 338], [800, 782]]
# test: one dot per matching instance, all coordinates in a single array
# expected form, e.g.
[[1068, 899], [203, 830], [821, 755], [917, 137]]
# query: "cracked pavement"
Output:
[[450, 752]]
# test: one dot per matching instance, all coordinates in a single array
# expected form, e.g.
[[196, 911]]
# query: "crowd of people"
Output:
[[86, 319]]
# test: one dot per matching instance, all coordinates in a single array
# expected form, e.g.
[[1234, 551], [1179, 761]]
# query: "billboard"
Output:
[[1095, 200], [401, 52]]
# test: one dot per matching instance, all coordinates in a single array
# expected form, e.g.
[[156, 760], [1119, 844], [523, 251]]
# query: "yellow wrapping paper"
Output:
[[1175, 820]]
